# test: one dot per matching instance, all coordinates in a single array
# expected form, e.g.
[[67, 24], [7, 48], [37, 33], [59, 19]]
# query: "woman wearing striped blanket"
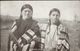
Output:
[[25, 34]]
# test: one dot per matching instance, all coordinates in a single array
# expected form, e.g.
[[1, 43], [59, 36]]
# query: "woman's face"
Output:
[[54, 17], [26, 13]]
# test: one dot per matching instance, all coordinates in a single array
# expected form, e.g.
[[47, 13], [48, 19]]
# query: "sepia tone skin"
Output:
[[54, 17], [26, 13]]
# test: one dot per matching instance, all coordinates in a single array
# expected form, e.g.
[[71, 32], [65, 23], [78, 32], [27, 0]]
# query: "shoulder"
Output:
[[62, 27], [63, 30], [34, 24], [35, 21], [17, 20], [15, 23]]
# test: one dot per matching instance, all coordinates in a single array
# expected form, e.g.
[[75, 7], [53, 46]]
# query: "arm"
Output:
[[10, 42], [64, 37]]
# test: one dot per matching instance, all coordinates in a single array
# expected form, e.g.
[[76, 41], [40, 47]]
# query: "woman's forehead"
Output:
[[55, 12], [27, 9]]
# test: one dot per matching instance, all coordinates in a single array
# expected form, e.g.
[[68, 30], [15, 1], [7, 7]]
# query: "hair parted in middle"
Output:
[[54, 9], [24, 7]]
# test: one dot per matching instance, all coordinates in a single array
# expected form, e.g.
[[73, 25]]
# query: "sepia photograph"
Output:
[[39, 25]]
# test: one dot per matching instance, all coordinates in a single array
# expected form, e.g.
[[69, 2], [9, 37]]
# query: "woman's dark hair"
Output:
[[54, 9], [24, 7]]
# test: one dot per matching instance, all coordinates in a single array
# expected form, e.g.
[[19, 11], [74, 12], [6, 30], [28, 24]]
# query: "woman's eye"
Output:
[[28, 11]]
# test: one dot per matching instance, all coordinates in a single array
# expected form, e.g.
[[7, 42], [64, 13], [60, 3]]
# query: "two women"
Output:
[[26, 34]]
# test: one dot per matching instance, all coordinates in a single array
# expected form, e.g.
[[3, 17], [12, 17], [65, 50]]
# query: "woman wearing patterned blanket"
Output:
[[25, 32], [57, 38]]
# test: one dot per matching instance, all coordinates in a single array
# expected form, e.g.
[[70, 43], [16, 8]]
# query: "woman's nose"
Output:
[[27, 12]]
